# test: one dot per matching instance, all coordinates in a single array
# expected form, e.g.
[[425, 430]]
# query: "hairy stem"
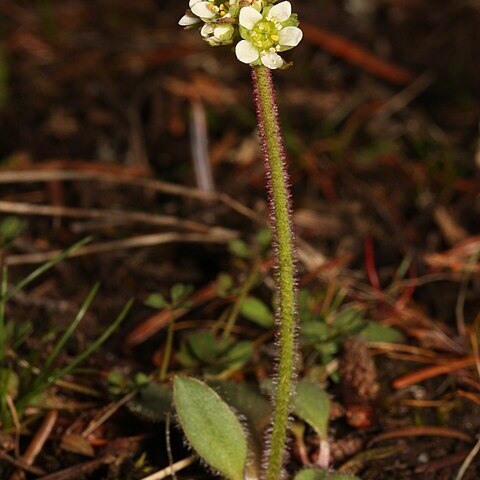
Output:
[[280, 216]]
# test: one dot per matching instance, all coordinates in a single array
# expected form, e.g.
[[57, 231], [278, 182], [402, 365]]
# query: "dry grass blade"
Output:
[[357, 55], [78, 471], [167, 472], [443, 462], [21, 464], [91, 213], [42, 175], [467, 462], [140, 241], [111, 410], [38, 441], [424, 431], [431, 372]]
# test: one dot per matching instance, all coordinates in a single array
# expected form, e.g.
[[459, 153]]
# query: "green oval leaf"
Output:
[[257, 312], [211, 427], [317, 474], [376, 332], [156, 300], [240, 249], [313, 406]]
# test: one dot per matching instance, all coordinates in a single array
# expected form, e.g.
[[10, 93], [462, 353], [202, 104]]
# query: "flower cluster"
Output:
[[264, 29]]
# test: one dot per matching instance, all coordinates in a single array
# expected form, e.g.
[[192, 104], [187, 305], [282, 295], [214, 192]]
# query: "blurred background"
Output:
[[380, 114]]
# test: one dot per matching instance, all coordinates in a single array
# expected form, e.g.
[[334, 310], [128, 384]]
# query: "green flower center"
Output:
[[264, 34]]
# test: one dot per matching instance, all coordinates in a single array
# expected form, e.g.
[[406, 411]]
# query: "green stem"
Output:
[[245, 290], [168, 347], [286, 317]]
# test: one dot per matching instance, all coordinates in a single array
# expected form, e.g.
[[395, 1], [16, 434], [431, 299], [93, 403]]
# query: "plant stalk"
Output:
[[167, 353], [280, 217]]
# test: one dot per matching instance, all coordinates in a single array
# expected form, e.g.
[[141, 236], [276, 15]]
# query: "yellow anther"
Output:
[[275, 38]]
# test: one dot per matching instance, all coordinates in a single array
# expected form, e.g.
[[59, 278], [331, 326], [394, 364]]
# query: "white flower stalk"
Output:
[[266, 33]]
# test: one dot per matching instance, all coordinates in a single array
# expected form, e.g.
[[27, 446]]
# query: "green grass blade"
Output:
[[56, 375], [3, 348], [43, 268], [94, 346], [68, 333], [3, 301]]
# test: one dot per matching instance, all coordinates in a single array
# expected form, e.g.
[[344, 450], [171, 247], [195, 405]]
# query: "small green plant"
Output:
[[215, 357], [10, 229], [325, 327], [179, 294]]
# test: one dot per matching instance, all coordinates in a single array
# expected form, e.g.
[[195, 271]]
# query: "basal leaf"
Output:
[[376, 332], [240, 249], [206, 348], [211, 427], [156, 300], [313, 406], [239, 354], [317, 474]]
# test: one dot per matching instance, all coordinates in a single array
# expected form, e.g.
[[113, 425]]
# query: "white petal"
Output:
[[281, 12], [249, 17], [213, 41], [272, 60], [188, 20], [202, 10], [290, 36], [222, 30], [246, 52], [193, 2], [206, 30]]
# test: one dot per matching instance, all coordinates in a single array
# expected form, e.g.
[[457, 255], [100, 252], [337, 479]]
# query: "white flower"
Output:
[[217, 34], [265, 34], [218, 16]]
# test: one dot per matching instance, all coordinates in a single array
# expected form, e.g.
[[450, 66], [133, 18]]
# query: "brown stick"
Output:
[[133, 242], [77, 471], [431, 372], [140, 217], [38, 441], [357, 55]]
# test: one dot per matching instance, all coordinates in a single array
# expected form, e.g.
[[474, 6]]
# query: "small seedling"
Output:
[[179, 294]]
